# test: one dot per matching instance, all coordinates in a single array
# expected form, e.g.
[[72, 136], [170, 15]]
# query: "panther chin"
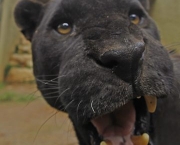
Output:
[[121, 127]]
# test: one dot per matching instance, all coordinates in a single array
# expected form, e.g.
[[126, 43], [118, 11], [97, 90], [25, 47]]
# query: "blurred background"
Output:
[[25, 118]]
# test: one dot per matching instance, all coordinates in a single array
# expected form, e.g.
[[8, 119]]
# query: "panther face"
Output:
[[106, 63]]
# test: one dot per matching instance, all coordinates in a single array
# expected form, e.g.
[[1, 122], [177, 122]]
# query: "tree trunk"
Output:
[[9, 34]]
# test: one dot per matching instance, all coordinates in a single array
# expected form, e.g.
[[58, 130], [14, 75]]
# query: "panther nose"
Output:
[[124, 61]]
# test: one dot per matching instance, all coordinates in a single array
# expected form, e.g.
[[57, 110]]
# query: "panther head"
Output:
[[103, 64]]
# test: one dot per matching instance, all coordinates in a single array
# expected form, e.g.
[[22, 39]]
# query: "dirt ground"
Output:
[[34, 123]]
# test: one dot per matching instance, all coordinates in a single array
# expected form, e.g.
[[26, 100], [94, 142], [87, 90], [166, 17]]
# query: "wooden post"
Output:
[[9, 34]]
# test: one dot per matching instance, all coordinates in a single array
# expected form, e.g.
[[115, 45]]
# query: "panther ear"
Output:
[[27, 16], [146, 4]]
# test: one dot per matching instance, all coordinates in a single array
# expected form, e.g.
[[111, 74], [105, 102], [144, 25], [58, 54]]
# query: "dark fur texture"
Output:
[[102, 64]]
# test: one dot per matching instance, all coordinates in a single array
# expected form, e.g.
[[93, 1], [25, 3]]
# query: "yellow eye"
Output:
[[64, 28], [135, 19]]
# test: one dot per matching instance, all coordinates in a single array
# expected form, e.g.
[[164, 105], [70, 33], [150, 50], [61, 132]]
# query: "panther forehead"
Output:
[[87, 9]]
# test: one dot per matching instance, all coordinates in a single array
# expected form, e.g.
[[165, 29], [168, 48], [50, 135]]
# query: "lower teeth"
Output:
[[106, 143], [140, 140], [136, 140]]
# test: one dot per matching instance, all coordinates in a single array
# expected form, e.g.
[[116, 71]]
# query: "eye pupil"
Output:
[[135, 19], [64, 28]]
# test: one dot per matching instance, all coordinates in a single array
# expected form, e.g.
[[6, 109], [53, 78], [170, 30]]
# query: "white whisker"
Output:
[[92, 107], [68, 104], [78, 109]]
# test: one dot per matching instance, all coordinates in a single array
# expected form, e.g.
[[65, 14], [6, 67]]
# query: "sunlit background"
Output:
[[25, 118]]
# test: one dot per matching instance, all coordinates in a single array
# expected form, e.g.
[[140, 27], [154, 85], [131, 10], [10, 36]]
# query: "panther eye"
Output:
[[135, 19], [64, 28]]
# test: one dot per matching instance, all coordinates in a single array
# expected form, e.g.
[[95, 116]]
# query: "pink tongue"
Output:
[[118, 126]]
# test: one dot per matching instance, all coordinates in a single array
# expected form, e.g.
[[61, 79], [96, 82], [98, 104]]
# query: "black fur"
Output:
[[102, 64]]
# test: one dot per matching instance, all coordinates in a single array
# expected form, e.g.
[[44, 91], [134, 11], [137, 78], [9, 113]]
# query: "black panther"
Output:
[[105, 66]]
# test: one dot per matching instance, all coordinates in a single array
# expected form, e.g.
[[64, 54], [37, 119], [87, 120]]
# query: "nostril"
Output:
[[114, 58], [124, 62], [111, 64], [124, 57], [110, 59], [104, 62]]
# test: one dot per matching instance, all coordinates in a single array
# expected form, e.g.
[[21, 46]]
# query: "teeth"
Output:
[[106, 143], [140, 140], [139, 97], [103, 143], [151, 103]]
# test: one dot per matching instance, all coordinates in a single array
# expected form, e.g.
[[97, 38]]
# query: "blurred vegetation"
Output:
[[2, 85], [7, 96], [14, 96], [7, 69], [166, 14]]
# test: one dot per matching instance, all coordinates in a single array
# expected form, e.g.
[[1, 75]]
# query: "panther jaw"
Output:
[[130, 139]]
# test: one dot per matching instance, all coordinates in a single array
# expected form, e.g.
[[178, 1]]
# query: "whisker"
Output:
[[92, 107], [53, 88], [52, 81], [172, 45], [84, 110], [73, 92], [51, 93], [43, 125], [30, 96], [68, 104], [78, 109], [49, 84], [68, 131], [46, 75], [50, 97], [46, 80], [41, 81], [61, 95]]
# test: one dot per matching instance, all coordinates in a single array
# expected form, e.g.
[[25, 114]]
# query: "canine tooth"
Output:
[[103, 143], [151, 103], [140, 140], [106, 143]]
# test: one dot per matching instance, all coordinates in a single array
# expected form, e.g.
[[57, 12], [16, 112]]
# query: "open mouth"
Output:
[[127, 125]]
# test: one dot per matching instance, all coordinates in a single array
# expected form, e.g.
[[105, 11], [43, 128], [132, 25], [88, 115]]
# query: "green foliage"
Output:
[[16, 49], [2, 85], [10, 96], [7, 69]]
